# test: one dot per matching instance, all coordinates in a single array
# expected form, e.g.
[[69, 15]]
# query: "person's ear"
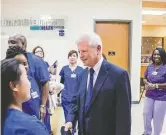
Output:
[[12, 86], [98, 49]]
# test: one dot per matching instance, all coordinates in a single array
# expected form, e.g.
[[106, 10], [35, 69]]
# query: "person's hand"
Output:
[[68, 126], [42, 112], [51, 88], [51, 69], [146, 87], [151, 86]]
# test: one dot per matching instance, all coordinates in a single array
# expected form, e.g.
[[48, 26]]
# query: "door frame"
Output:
[[130, 22]]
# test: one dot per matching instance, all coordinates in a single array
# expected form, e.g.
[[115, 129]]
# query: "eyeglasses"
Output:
[[39, 52]]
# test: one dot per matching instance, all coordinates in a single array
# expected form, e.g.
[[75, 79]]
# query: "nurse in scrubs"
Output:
[[38, 51], [15, 90], [68, 77], [32, 106], [37, 70]]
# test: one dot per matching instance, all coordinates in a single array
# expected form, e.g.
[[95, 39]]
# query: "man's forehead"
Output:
[[83, 42]]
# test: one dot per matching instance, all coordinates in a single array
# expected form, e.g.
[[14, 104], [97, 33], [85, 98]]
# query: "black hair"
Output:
[[71, 52], [162, 55], [34, 49], [10, 72], [15, 50]]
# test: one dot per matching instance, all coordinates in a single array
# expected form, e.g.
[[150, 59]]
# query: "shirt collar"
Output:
[[98, 65]]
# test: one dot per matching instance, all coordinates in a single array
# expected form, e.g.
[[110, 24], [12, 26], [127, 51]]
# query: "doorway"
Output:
[[115, 36]]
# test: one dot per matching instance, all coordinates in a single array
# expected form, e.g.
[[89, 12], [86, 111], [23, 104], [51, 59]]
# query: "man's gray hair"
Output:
[[92, 38]]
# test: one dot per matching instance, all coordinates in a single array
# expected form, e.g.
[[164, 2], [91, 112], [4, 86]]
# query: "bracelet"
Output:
[[43, 109], [42, 106], [157, 86]]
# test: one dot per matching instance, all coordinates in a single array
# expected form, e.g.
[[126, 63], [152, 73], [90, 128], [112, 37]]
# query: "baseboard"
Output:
[[135, 102]]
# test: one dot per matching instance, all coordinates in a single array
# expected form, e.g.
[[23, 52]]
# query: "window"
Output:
[[148, 45]]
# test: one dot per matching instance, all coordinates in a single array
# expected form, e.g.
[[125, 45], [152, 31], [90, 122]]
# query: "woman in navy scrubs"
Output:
[[38, 51], [32, 106], [68, 77], [15, 89]]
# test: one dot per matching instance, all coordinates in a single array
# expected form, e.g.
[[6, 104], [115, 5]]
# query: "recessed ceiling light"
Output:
[[153, 12]]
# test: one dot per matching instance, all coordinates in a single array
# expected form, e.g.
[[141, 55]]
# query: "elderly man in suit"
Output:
[[103, 104]]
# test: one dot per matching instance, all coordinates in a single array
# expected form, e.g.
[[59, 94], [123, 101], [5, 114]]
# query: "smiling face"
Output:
[[15, 42], [156, 57], [39, 52], [18, 40]]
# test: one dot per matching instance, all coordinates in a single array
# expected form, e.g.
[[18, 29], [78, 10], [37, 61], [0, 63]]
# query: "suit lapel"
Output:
[[83, 86], [99, 82], [83, 89]]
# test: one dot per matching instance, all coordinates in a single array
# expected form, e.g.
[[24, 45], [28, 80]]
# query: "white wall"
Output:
[[79, 15]]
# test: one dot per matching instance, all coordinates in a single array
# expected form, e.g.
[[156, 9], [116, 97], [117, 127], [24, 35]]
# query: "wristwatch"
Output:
[[42, 108]]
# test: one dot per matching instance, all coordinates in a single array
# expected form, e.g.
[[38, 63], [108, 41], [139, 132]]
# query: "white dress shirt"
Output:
[[96, 69]]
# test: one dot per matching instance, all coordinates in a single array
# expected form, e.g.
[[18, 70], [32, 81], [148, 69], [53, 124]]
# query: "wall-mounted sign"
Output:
[[38, 27], [56, 25], [111, 53], [32, 22], [53, 24]]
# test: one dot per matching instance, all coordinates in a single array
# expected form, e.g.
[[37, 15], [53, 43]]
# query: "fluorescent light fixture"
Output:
[[153, 12], [45, 17], [143, 21]]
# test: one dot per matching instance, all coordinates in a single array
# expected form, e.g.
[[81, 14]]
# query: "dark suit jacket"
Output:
[[109, 111]]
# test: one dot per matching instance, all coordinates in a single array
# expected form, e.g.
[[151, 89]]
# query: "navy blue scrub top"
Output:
[[37, 69], [20, 123], [47, 65], [32, 106], [69, 77]]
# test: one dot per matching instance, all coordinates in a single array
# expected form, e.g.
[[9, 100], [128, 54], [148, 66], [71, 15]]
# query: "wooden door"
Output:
[[115, 39]]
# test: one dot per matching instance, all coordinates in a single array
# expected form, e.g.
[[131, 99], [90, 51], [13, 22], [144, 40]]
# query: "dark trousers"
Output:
[[65, 110]]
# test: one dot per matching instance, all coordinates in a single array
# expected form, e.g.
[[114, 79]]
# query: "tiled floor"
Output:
[[57, 120]]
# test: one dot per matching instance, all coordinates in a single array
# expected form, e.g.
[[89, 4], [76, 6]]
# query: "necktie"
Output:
[[90, 89]]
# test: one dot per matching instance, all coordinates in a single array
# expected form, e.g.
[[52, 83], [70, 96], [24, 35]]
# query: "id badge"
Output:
[[154, 73], [34, 95], [73, 75]]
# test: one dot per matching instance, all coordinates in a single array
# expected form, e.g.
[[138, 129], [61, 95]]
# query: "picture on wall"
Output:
[[146, 59], [148, 45]]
